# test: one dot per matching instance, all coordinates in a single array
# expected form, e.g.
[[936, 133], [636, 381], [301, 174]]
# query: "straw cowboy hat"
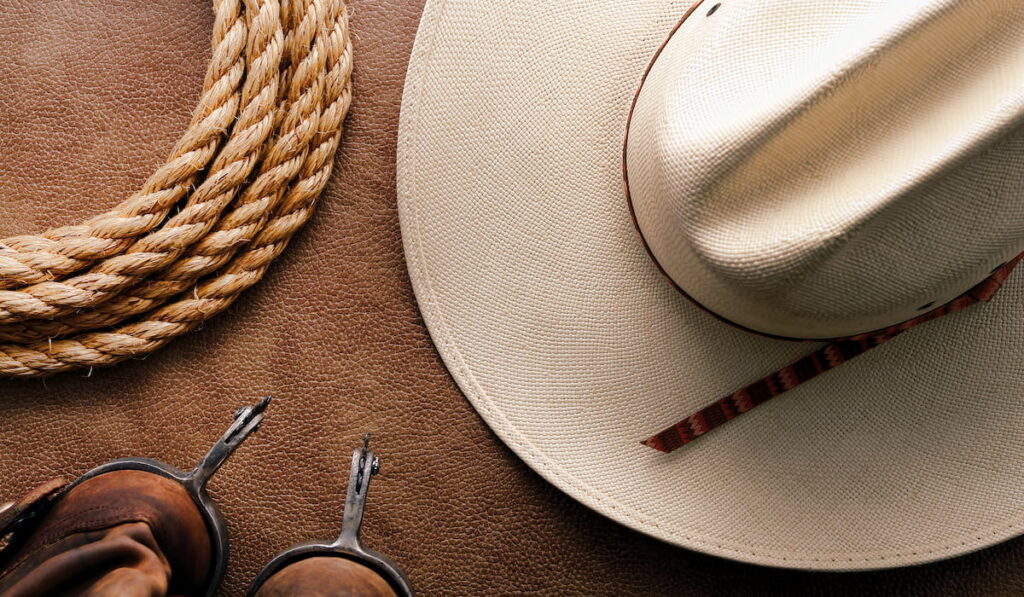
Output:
[[627, 224]]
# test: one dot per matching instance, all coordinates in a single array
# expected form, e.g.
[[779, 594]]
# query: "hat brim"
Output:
[[559, 329]]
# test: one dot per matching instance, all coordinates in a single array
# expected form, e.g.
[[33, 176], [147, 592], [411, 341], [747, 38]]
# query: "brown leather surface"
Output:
[[333, 332]]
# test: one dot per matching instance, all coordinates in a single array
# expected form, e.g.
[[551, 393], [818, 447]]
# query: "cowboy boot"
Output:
[[326, 576], [130, 528], [344, 568], [126, 533]]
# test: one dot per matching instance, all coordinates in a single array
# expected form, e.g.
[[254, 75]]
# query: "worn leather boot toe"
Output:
[[126, 533], [326, 577]]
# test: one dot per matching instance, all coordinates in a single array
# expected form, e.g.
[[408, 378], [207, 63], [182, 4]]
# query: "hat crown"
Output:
[[831, 182]]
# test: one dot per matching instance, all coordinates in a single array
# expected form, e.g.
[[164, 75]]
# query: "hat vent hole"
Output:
[[714, 9], [926, 306]]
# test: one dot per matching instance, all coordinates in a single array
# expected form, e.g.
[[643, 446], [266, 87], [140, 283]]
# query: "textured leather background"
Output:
[[92, 95]]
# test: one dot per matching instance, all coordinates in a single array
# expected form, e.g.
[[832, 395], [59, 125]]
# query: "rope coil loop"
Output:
[[243, 178]]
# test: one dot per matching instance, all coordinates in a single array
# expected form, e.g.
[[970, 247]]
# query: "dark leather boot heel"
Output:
[[152, 514], [344, 567]]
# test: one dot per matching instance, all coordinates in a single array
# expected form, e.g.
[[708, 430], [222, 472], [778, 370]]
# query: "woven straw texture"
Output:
[[566, 338], [241, 180], [804, 179]]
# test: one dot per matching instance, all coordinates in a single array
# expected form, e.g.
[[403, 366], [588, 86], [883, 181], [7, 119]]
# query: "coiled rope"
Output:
[[205, 226]]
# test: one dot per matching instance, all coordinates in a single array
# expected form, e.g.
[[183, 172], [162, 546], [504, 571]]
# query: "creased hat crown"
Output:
[[832, 183]]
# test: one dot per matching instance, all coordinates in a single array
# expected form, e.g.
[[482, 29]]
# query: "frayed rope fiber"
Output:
[[205, 226]]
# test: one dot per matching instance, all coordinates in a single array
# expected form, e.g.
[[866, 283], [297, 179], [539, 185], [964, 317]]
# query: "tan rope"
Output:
[[243, 178]]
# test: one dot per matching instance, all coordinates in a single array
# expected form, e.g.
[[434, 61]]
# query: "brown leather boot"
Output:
[[127, 533], [326, 576], [343, 568], [133, 527]]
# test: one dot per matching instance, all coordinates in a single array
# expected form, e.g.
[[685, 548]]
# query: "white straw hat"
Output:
[[794, 169]]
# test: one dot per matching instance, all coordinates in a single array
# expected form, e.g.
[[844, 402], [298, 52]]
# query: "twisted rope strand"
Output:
[[230, 170], [262, 219], [33, 259], [282, 163]]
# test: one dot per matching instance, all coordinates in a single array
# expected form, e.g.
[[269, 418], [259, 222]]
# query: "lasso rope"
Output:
[[207, 224]]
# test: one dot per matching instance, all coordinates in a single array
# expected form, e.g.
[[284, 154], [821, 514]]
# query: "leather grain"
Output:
[[333, 332]]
